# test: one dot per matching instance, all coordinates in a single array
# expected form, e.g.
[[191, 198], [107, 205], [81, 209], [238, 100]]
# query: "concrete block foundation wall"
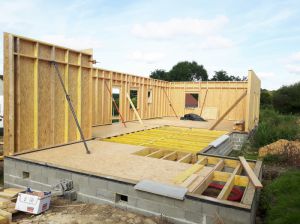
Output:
[[238, 140], [100, 190], [235, 142]]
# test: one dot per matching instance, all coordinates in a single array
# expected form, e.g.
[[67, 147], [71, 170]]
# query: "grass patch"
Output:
[[280, 200], [274, 126]]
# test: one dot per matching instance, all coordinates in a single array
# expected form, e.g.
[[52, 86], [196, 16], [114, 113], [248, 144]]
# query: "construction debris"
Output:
[[7, 204], [289, 150]]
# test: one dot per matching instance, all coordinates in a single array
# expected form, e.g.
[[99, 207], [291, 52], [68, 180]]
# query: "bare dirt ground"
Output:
[[65, 212]]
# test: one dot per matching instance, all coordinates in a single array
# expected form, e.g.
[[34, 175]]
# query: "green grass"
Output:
[[280, 200], [274, 126]]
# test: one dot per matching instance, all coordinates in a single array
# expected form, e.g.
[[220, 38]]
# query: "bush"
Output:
[[274, 126], [280, 200], [286, 99]]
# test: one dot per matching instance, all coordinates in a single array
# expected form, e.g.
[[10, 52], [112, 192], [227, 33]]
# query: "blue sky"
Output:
[[138, 37]]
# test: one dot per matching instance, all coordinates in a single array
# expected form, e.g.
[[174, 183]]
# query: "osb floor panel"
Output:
[[109, 159], [118, 128]]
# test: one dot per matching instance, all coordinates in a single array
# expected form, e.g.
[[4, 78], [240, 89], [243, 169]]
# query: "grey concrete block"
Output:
[[20, 168], [95, 184], [196, 217], [35, 185], [132, 201], [81, 183], [35, 172], [193, 205], [70, 195], [62, 174], [118, 187], [9, 166], [230, 215], [49, 174], [148, 205], [22, 182], [172, 211], [105, 194], [210, 209]]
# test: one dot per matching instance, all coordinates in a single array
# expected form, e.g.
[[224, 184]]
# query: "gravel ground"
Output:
[[64, 212]]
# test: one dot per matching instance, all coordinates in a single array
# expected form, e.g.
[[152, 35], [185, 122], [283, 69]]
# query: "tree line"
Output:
[[192, 71]]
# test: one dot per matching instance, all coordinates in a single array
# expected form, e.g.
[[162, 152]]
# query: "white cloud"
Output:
[[295, 57], [293, 68], [216, 42], [179, 27], [147, 57], [264, 75], [77, 42], [292, 63]]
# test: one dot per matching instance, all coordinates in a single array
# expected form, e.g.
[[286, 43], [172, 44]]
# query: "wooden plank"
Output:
[[171, 156], [186, 159], [203, 103], [229, 184], [35, 96], [254, 179], [202, 183], [9, 96], [249, 192], [66, 106], [134, 109], [170, 103], [181, 177]]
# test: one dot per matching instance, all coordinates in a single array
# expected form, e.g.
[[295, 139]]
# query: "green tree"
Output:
[[188, 71], [287, 99], [182, 71], [223, 76], [266, 98], [159, 74]]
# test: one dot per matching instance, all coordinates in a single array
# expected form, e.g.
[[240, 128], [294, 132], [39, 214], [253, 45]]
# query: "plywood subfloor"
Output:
[[118, 128], [109, 159], [171, 138]]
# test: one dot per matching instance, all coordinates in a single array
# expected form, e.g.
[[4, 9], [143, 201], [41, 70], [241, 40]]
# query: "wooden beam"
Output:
[[250, 173], [9, 95], [227, 111], [186, 159], [66, 106], [115, 104], [134, 109], [171, 156], [181, 177], [35, 96], [157, 154], [201, 109], [230, 183], [249, 192], [170, 103], [202, 183]]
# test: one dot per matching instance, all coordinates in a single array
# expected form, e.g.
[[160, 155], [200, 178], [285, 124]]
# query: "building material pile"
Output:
[[7, 204], [289, 149]]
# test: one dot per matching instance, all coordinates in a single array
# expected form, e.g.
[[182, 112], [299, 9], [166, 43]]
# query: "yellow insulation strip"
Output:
[[180, 178], [171, 138]]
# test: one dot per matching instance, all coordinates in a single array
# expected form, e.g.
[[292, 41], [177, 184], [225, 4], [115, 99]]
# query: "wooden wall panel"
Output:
[[252, 101], [24, 104], [36, 111], [45, 111], [220, 95], [102, 102]]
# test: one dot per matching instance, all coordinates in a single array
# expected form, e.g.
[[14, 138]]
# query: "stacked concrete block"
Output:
[[238, 140], [119, 193]]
